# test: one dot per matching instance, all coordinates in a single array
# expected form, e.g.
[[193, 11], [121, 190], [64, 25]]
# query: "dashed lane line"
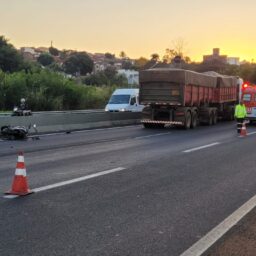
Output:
[[201, 147], [72, 181], [152, 135], [68, 182], [251, 133]]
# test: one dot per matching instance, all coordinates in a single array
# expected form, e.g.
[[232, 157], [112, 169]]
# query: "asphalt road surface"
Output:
[[130, 191]]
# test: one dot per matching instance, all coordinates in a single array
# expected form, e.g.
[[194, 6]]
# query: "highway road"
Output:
[[129, 191]]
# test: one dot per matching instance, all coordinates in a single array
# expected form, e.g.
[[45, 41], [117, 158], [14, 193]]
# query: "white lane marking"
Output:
[[68, 182], [10, 196], [251, 133], [216, 233], [201, 147], [152, 135]]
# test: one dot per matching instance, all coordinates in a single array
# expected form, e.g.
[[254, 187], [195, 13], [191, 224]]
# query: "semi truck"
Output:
[[185, 98]]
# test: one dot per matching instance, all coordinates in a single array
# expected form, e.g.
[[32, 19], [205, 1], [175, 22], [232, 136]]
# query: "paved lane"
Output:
[[160, 204]]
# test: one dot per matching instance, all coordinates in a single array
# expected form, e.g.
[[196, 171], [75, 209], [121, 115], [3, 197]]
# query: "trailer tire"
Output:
[[215, 118], [194, 121], [157, 126], [231, 116], [160, 126], [147, 125], [210, 120], [188, 118]]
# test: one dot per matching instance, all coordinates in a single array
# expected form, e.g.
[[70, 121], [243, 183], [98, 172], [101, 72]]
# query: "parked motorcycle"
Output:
[[20, 112], [22, 109]]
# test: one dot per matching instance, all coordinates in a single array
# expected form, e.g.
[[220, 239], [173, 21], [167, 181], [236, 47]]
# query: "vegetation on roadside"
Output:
[[46, 90], [49, 85]]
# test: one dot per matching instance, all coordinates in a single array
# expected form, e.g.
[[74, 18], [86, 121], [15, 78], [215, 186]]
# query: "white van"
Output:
[[124, 100]]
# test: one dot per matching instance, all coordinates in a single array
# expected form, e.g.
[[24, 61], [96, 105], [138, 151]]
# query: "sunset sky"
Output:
[[137, 27]]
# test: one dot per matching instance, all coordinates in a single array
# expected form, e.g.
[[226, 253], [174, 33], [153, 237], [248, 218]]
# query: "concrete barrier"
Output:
[[70, 121]]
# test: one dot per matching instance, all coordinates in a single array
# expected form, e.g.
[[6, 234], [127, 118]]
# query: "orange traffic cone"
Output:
[[243, 130], [20, 184]]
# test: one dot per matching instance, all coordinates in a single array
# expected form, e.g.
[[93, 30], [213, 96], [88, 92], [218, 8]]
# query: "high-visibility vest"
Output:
[[240, 111]]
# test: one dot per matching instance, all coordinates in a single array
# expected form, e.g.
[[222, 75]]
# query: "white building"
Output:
[[233, 61], [131, 75]]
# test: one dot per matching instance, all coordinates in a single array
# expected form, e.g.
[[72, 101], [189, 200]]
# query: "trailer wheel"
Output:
[[187, 120], [160, 126], [157, 126], [215, 117], [210, 120], [147, 125], [230, 116], [194, 120]]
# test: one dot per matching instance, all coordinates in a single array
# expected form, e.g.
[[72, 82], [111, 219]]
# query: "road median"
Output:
[[71, 121]]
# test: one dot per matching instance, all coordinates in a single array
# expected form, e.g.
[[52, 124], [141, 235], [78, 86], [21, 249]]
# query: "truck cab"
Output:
[[124, 100]]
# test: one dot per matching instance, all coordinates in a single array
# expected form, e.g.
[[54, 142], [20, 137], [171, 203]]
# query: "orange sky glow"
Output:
[[137, 27]]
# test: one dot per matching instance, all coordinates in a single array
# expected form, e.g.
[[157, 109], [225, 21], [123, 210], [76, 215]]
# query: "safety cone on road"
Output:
[[20, 184], [243, 130]]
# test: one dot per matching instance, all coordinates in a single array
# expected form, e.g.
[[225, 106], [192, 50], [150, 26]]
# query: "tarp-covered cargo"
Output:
[[222, 80], [179, 76], [185, 88]]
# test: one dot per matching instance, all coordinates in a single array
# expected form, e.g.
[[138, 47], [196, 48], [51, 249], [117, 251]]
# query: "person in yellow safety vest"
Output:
[[240, 114]]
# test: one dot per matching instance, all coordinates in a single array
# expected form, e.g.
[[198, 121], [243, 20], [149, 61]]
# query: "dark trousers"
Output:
[[239, 124]]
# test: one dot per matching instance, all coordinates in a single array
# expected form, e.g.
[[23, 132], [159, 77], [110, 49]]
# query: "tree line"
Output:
[[46, 90], [46, 87]]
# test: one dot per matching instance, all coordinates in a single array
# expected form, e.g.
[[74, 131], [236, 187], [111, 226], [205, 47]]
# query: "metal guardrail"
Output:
[[72, 120]]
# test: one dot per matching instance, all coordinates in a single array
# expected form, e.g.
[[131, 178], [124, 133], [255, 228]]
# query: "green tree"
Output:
[[126, 64], [109, 56], [45, 59], [10, 59], [78, 64], [169, 55], [54, 51], [177, 49], [154, 57], [122, 55], [140, 63], [108, 77], [110, 73]]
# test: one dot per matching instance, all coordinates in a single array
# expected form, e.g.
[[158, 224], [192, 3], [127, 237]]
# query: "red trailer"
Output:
[[182, 97]]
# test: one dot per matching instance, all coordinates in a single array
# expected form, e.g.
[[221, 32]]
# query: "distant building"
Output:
[[233, 61], [131, 75], [32, 53], [215, 57], [99, 66], [43, 49], [29, 53]]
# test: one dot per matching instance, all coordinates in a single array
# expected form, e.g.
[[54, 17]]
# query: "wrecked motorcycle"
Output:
[[14, 132]]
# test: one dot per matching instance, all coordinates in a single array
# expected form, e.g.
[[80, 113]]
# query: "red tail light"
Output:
[[245, 85]]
